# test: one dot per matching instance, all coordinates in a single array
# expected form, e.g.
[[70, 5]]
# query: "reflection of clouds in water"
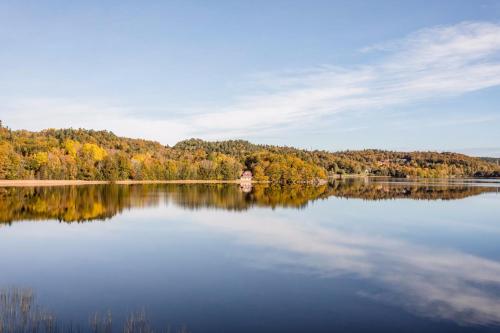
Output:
[[432, 282]]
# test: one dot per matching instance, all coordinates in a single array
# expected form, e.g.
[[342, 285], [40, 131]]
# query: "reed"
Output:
[[20, 313]]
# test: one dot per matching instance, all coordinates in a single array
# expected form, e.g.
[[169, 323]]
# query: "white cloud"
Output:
[[432, 63], [63, 113], [438, 62]]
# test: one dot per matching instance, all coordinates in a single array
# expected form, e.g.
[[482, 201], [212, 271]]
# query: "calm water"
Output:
[[358, 256]]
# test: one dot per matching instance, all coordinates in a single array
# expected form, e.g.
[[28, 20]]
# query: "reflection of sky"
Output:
[[436, 280], [436, 259]]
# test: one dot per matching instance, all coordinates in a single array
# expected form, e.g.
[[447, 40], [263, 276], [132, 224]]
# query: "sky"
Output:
[[334, 75]]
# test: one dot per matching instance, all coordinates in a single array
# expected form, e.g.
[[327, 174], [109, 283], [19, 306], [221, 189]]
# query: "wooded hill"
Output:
[[371, 162], [101, 155], [494, 160]]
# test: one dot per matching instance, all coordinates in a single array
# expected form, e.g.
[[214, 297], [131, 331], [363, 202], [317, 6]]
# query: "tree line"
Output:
[[101, 155], [365, 162]]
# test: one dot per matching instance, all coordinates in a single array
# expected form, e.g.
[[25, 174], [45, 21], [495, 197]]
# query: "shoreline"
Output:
[[43, 183], [37, 183]]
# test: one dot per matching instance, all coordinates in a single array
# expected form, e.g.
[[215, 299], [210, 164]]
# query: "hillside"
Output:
[[494, 160], [371, 162], [101, 155]]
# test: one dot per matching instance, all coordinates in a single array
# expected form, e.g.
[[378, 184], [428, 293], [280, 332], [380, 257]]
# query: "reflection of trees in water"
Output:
[[70, 203], [368, 190], [233, 198], [20, 312], [99, 202]]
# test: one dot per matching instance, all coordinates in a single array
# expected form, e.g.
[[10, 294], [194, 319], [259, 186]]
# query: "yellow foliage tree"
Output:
[[72, 147], [97, 153], [41, 158]]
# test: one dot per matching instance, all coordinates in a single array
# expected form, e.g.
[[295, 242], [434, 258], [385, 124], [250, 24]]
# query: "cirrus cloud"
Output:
[[443, 61]]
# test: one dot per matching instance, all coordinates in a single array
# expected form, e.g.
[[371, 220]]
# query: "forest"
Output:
[[101, 155]]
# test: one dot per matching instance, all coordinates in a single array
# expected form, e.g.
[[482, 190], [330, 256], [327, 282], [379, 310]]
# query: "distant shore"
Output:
[[35, 182], [38, 183]]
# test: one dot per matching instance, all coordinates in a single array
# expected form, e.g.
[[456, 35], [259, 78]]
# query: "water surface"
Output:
[[352, 256]]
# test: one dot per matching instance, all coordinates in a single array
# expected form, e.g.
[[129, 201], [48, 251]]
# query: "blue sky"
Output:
[[403, 75]]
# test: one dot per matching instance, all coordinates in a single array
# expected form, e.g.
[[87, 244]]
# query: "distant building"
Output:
[[246, 176]]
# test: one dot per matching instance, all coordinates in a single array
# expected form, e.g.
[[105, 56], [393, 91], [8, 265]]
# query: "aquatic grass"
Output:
[[20, 313]]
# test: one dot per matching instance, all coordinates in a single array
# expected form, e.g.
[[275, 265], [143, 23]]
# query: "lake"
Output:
[[365, 255]]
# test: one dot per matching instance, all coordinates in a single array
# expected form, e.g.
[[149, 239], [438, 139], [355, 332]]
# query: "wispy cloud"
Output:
[[43, 113], [443, 61], [431, 281], [432, 63]]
